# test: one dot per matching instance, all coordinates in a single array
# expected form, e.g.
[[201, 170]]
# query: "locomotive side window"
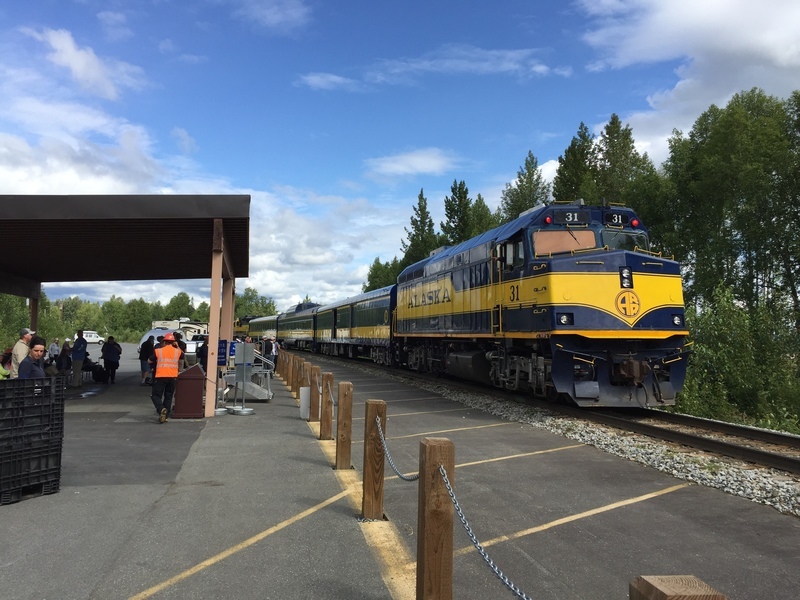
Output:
[[514, 253], [563, 240], [625, 240]]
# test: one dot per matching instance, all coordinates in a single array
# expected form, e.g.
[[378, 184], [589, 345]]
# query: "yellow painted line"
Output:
[[209, 562], [571, 518], [499, 458], [398, 567], [421, 412], [414, 399], [441, 431]]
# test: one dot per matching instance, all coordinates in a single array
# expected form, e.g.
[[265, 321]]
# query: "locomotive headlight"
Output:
[[626, 277], [677, 320], [565, 319]]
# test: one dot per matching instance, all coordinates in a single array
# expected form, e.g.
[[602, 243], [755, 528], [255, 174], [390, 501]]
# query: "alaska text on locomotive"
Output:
[[437, 296]]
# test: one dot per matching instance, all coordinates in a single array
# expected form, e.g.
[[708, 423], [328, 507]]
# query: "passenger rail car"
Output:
[[566, 300], [263, 326], [358, 326], [296, 328]]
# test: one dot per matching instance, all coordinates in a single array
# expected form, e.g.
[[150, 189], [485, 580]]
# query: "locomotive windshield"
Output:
[[617, 239], [553, 241]]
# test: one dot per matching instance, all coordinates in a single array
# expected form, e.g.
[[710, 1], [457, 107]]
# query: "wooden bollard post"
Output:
[[372, 496], [326, 410], [289, 365], [671, 587], [344, 425], [297, 374], [316, 380], [305, 379], [280, 365], [435, 520]]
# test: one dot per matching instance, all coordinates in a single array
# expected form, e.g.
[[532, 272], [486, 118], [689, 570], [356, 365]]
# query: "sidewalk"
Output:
[[226, 507]]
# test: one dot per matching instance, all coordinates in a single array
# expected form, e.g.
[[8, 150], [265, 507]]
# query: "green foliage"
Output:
[[13, 317], [180, 306], [382, 274], [576, 177], [138, 315], [421, 237], [203, 311], [743, 366], [530, 189], [457, 227], [736, 186], [250, 303], [125, 321], [482, 219]]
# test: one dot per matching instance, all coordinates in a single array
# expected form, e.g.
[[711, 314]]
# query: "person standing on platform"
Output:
[[33, 365], [202, 355], [54, 350], [165, 361], [111, 353], [20, 351], [182, 345], [145, 352], [78, 356]]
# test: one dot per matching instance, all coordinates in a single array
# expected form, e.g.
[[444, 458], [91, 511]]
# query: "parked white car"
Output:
[[91, 337]]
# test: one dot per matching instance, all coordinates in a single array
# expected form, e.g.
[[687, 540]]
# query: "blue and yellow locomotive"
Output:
[[566, 301]]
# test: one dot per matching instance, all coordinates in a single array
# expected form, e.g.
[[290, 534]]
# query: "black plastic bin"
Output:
[[189, 391], [31, 437]]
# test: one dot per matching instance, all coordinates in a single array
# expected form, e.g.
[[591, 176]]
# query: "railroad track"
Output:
[[759, 446]]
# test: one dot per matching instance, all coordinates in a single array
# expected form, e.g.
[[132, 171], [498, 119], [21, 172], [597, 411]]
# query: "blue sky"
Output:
[[333, 115]]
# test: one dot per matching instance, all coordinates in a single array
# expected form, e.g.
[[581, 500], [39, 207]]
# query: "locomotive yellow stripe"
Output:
[[648, 334], [595, 291]]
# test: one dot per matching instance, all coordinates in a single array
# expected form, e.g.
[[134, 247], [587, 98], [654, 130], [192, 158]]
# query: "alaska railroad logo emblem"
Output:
[[627, 304]]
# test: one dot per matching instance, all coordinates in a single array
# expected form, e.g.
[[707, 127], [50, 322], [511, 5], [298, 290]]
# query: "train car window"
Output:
[[617, 239], [553, 241]]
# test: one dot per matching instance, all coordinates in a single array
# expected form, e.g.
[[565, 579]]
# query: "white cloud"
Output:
[[167, 46], [114, 25], [634, 32], [93, 74], [185, 142], [720, 48], [463, 59], [450, 59], [425, 161], [328, 81], [278, 15]]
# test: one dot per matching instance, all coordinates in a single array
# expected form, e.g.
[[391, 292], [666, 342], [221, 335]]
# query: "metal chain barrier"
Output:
[[334, 400], [389, 456], [495, 569]]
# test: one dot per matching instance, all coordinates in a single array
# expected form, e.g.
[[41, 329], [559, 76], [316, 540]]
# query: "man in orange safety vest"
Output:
[[165, 361]]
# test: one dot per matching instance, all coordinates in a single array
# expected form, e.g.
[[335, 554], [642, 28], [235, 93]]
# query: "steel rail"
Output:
[[751, 433], [753, 455]]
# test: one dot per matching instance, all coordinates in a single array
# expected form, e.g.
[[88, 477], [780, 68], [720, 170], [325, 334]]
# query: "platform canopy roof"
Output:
[[119, 238]]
